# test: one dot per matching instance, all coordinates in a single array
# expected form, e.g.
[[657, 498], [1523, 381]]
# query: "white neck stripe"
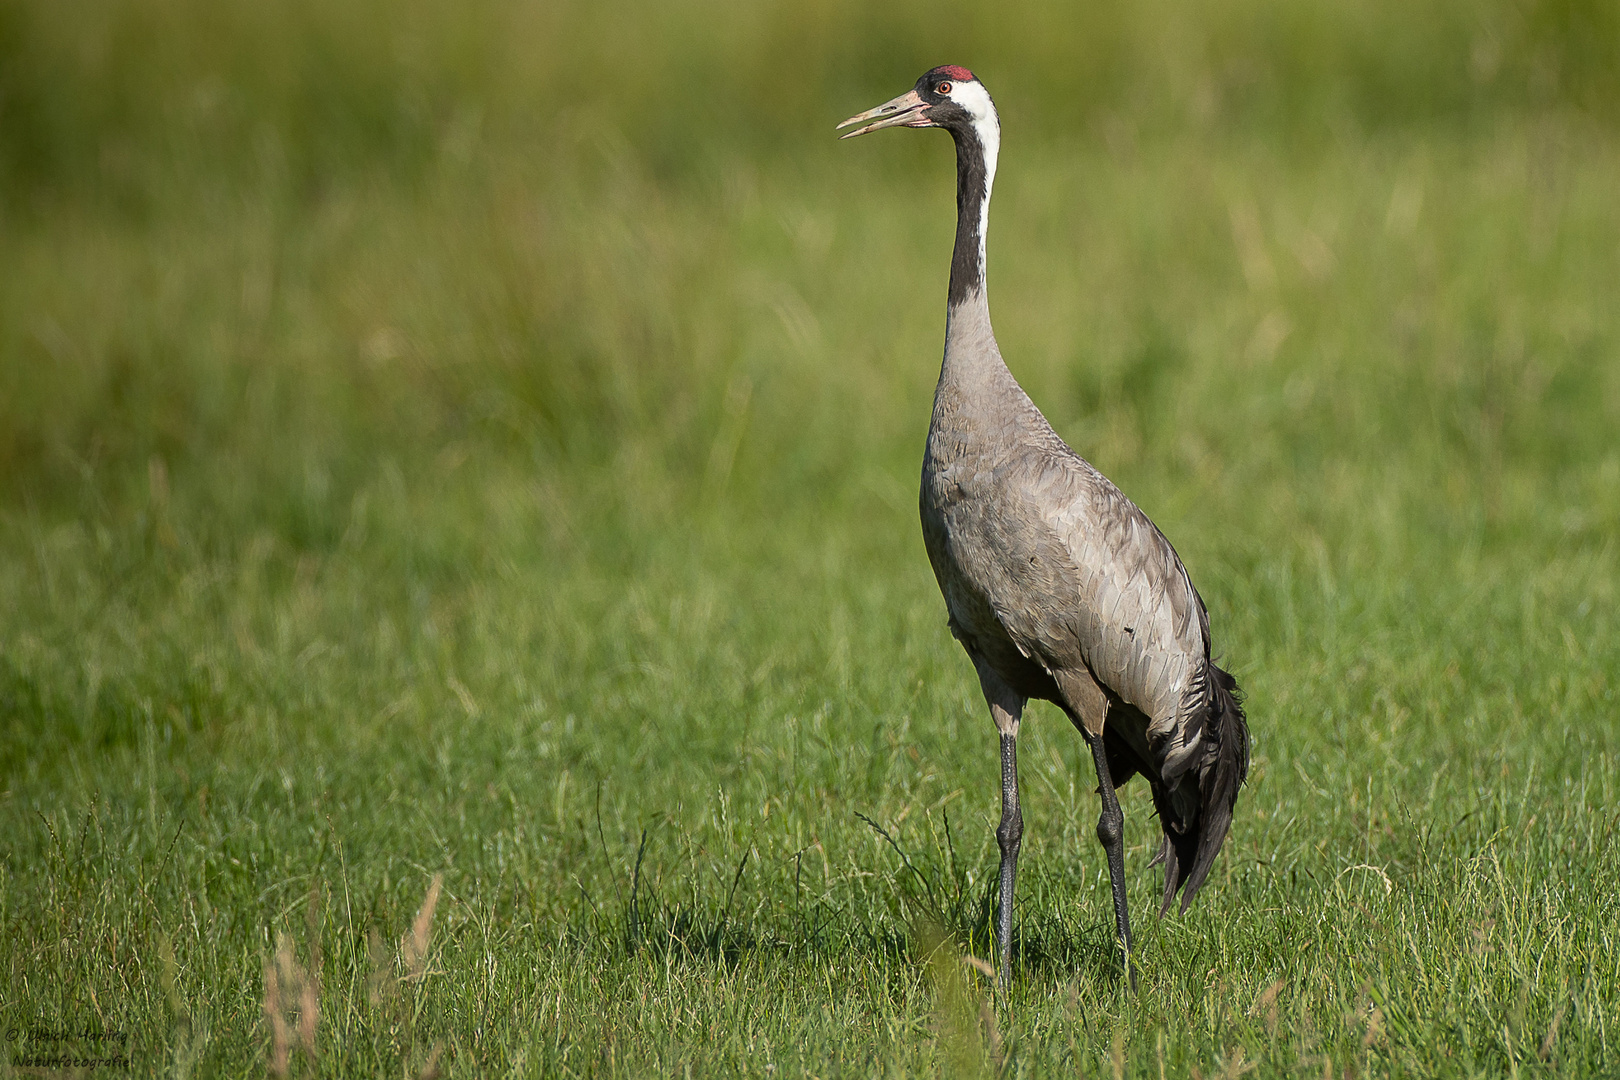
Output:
[[975, 99]]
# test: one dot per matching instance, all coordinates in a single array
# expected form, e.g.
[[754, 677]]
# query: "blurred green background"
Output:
[[565, 229], [482, 439]]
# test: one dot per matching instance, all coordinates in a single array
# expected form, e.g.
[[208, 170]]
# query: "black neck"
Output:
[[967, 267]]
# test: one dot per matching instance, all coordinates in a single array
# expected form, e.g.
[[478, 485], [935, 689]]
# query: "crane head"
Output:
[[947, 97]]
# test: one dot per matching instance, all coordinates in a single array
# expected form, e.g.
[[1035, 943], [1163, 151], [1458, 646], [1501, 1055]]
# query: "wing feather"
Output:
[[1138, 622]]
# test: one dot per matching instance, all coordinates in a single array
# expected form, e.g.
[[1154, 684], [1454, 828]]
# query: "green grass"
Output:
[[446, 453]]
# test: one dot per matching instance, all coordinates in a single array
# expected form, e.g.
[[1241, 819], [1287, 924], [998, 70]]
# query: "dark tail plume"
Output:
[[1188, 854]]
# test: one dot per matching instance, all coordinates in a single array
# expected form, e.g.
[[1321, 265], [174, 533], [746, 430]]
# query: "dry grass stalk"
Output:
[[309, 1012], [1551, 1040], [414, 946], [280, 1033], [1266, 1006], [1234, 1066], [388, 974], [981, 966], [430, 1068], [1375, 1027], [287, 985]]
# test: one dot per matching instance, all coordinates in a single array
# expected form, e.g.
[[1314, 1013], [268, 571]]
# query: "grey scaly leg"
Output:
[[1111, 831], [1010, 835], [1006, 709]]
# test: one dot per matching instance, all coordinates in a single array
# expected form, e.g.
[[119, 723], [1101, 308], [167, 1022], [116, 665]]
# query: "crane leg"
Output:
[[1010, 835], [1111, 831], [1006, 709]]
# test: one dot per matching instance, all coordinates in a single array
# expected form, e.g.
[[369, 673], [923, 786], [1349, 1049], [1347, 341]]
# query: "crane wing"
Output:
[[1134, 619]]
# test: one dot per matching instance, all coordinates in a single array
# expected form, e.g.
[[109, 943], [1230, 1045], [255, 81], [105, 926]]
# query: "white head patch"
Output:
[[973, 97], [975, 100]]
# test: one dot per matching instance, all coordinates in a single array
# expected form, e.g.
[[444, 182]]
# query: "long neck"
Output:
[[971, 355], [975, 175]]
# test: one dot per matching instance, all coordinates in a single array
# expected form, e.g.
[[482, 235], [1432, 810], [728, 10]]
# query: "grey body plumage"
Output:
[[1058, 586]]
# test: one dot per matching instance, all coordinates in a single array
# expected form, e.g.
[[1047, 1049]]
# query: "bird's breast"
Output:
[[960, 517], [977, 578]]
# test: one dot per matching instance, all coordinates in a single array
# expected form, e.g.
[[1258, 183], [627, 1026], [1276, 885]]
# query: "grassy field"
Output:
[[461, 592]]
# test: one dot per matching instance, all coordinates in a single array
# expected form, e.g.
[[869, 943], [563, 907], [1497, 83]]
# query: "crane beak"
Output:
[[904, 111]]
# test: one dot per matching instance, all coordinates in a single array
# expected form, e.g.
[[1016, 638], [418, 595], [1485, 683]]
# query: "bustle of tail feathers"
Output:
[[1188, 854]]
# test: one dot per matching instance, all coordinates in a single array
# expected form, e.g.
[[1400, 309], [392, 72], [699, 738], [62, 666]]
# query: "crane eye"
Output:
[[943, 88]]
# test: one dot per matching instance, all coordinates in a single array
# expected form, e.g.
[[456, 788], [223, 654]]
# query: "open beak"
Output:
[[904, 111]]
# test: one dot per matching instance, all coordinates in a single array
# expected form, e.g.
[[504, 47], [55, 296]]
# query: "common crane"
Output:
[[1057, 585]]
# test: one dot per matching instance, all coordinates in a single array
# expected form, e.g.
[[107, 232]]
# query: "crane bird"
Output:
[[1057, 585]]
